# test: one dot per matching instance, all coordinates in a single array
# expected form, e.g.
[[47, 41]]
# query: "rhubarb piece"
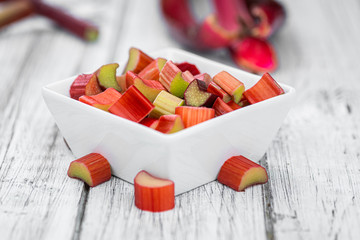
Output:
[[165, 104], [221, 107], [264, 89], [102, 100], [233, 105], [254, 55], [187, 76], [138, 60], [171, 79], [121, 81], [132, 105], [150, 122], [15, 11], [230, 84], [239, 173], [152, 70], [93, 169], [170, 124], [185, 66], [270, 16], [81, 28], [85, 84], [153, 194], [149, 88], [204, 77], [194, 115], [196, 95], [212, 35], [243, 102], [218, 91], [107, 76]]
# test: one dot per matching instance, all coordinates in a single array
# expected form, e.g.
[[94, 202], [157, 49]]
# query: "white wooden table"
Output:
[[313, 163]]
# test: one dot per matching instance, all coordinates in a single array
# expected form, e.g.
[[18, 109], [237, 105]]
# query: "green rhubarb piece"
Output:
[[107, 76]]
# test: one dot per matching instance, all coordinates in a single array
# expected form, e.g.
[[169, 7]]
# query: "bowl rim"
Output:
[[49, 88]]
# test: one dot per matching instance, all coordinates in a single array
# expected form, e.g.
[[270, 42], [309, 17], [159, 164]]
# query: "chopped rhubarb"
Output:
[[150, 122], [138, 60], [187, 76], [93, 169], [230, 84], [121, 81], [254, 54], [204, 77], [132, 105], [194, 115], [218, 91], [264, 89], [153, 194], [150, 88], [171, 79], [106, 75], [170, 124], [239, 173], [185, 66], [196, 95], [102, 100], [152, 70], [221, 107], [233, 105], [85, 84], [165, 104]]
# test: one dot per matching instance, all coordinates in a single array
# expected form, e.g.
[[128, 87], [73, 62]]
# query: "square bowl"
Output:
[[191, 157]]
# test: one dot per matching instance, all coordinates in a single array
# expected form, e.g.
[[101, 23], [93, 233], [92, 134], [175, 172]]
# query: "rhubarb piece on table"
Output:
[[230, 84], [132, 105], [85, 84], [212, 35], [264, 89], [221, 107], [150, 88], [254, 54], [218, 91], [196, 95], [150, 122], [102, 100], [270, 17], [121, 81], [107, 76], [138, 60], [239, 173], [228, 15], [194, 115], [81, 28], [171, 79], [14, 11], [170, 124], [187, 76], [185, 66], [152, 70], [153, 194], [93, 169], [204, 77], [165, 104]]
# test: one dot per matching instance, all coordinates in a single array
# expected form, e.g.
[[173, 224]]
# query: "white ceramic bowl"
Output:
[[191, 157]]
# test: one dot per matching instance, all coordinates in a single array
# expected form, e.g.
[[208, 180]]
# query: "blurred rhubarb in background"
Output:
[[242, 26]]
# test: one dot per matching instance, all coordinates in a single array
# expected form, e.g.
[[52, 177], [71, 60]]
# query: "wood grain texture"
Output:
[[313, 163]]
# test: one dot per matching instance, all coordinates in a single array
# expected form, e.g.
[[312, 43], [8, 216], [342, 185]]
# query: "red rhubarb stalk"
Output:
[[14, 11]]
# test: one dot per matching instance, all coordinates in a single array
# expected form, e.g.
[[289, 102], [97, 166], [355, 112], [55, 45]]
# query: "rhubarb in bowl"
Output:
[[191, 157]]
